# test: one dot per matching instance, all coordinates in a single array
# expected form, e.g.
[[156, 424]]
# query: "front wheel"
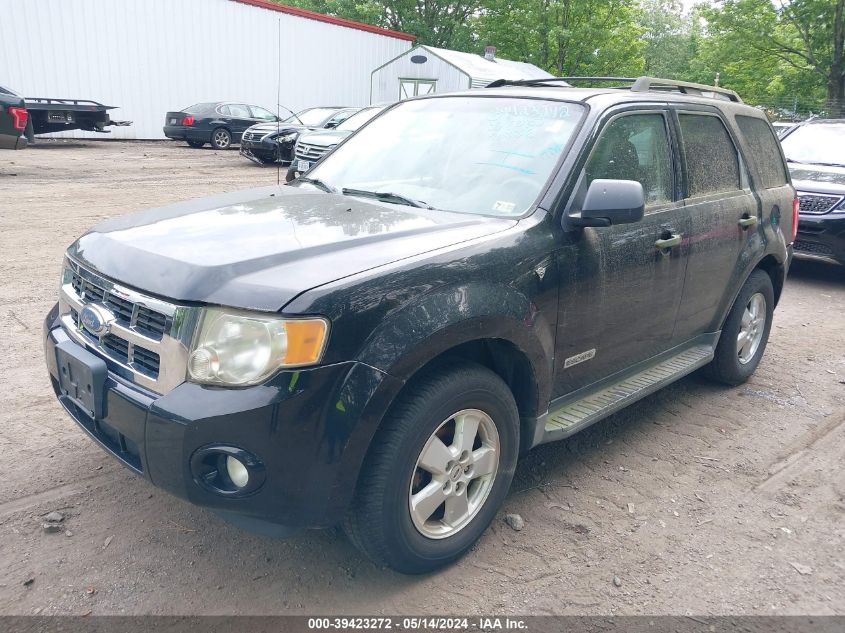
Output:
[[438, 470], [221, 138], [746, 331]]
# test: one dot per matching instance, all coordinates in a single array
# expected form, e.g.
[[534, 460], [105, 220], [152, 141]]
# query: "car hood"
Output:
[[324, 139], [818, 178], [267, 128], [260, 248]]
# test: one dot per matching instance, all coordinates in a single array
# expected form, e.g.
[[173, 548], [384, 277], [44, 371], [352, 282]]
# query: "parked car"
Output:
[[221, 124], [468, 276], [13, 120], [310, 147], [783, 127], [268, 143], [815, 152]]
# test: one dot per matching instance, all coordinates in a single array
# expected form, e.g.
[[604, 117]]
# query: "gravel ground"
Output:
[[697, 500]]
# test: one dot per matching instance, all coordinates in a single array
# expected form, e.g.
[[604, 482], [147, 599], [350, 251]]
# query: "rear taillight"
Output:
[[188, 120], [796, 204], [19, 117]]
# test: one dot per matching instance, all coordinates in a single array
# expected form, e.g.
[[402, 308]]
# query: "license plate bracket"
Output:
[[82, 378]]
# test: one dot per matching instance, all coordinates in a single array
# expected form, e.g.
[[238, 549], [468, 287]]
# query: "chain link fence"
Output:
[[798, 108]]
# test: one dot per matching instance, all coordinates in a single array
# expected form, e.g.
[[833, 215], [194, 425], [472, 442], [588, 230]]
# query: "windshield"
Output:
[[311, 116], [818, 144], [482, 155], [358, 119]]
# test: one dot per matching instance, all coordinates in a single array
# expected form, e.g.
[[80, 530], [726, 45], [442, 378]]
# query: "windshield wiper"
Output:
[[386, 196], [318, 183]]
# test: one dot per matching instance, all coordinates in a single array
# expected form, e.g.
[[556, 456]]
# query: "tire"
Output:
[[221, 138], [381, 522], [736, 359], [196, 144]]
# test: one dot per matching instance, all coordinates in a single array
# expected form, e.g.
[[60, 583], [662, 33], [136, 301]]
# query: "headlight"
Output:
[[244, 348], [287, 138]]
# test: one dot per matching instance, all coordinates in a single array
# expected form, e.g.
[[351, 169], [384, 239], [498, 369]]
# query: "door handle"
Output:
[[669, 242], [748, 222]]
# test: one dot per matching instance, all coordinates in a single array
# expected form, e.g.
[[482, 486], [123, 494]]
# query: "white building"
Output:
[[427, 69], [151, 56]]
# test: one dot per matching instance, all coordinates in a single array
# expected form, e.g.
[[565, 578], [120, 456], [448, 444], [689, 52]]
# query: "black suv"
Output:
[[466, 277], [815, 152]]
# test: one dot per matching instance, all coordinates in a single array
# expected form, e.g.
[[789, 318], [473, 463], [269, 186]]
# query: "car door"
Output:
[[722, 209], [621, 285], [240, 118]]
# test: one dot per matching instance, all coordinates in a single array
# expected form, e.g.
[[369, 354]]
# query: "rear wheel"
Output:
[[438, 471], [221, 138], [746, 331], [196, 144]]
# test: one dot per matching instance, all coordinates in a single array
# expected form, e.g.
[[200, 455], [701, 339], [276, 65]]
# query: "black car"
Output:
[[310, 147], [221, 124], [468, 276], [268, 143], [13, 120], [815, 152]]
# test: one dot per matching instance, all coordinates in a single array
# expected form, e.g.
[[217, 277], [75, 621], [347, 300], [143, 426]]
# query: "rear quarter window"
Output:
[[766, 162], [711, 158]]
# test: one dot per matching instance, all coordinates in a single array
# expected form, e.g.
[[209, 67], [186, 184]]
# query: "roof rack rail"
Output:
[[537, 81], [648, 84], [638, 84]]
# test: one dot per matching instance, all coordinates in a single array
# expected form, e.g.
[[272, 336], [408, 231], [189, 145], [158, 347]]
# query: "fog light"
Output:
[[237, 472]]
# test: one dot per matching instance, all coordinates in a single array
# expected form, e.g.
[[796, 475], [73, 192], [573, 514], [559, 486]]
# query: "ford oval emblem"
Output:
[[96, 319]]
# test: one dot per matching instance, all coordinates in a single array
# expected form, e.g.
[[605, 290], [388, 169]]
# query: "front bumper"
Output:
[[821, 237], [268, 149], [310, 429]]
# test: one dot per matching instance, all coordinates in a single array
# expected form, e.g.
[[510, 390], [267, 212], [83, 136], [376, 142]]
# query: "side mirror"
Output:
[[332, 124], [611, 202]]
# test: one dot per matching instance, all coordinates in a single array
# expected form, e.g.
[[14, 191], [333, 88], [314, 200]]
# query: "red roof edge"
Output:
[[313, 15]]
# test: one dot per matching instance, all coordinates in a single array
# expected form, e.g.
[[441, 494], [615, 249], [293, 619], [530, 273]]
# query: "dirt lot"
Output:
[[698, 499]]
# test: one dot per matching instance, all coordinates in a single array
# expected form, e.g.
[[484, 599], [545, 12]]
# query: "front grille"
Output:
[[817, 203], [147, 340], [812, 247], [152, 323], [252, 136], [117, 347], [310, 152]]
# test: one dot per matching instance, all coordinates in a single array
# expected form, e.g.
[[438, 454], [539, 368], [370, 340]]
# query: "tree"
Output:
[[805, 35], [445, 23], [566, 37], [671, 38]]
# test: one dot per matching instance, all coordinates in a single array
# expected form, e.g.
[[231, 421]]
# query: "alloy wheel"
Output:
[[751, 328], [454, 474]]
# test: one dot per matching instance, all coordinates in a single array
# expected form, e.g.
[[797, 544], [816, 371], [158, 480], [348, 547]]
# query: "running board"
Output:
[[584, 409]]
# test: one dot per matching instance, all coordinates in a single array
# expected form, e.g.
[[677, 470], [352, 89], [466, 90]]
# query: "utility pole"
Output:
[[716, 83]]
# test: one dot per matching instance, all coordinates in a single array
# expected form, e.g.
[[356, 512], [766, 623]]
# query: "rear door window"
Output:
[[711, 157], [239, 111], [635, 147], [766, 162]]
